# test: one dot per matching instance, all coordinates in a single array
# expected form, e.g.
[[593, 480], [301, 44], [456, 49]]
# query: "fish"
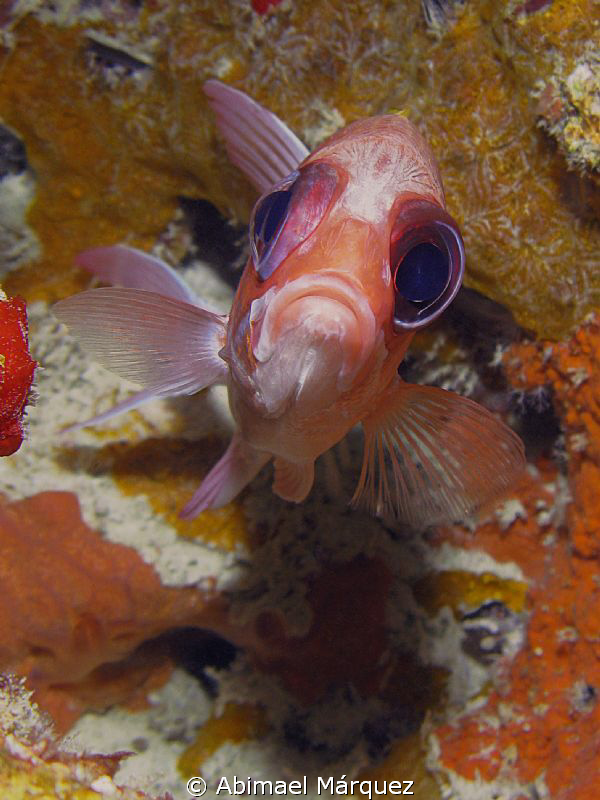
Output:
[[352, 251]]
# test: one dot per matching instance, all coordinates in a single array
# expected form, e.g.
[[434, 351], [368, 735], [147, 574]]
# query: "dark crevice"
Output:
[[108, 56], [13, 157], [216, 239], [537, 422], [195, 649]]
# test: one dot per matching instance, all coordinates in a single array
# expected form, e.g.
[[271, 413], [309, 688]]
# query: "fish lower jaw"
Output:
[[303, 370], [316, 319], [314, 312]]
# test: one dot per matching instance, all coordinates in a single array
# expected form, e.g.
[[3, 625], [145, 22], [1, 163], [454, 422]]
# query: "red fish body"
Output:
[[351, 252]]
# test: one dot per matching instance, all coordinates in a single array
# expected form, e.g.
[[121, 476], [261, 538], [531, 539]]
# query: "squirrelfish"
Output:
[[351, 252]]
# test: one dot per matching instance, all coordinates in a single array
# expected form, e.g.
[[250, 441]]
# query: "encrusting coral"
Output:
[[564, 75], [570, 111], [545, 701], [72, 602], [33, 765], [570, 368]]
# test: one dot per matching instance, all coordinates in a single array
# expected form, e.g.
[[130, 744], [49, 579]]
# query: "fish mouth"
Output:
[[324, 305], [310, 338]]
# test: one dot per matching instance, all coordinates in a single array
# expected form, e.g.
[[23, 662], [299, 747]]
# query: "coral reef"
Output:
[[267, 639], [73, 602], [16, 372], [469, 655], [569, 109], [563, 74], [32, 764], [542, 717], [127, 132], [570, 369]]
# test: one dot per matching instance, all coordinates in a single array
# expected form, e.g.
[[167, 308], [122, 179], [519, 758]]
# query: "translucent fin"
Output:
[[433, 457], [236, 468], [167, 346], [135, 401], [293, 481], [258, 142], [134, 269]]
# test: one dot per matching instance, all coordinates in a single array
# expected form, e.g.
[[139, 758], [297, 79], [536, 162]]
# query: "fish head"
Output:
[[350, 254]]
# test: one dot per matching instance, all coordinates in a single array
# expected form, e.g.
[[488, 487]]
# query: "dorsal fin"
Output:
[[258, 142]]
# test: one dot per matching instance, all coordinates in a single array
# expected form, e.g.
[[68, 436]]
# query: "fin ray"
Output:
[[168, 346], [432, 456], [132, 402], [250, 130], [293, 481], [128, 267], [235, 469]]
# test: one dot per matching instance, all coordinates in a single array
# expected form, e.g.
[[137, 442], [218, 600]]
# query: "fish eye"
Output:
[[288, 215], [427, 262], [422, 274], [269, 218]]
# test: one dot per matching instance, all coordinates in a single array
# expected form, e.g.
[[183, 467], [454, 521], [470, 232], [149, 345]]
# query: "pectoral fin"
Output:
[[126, 266], [432, 456], [168, 346], [293, 481]]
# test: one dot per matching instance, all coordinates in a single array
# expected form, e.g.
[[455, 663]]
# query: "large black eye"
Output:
[[269, 218], [423, 273], [427, 262], [288, 215]]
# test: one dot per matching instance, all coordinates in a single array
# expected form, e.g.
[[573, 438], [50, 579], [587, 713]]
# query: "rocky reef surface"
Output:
[[264, 639]]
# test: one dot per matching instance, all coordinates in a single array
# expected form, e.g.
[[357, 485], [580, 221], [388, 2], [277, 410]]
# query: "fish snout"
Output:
[[316, 308], [310, 339]]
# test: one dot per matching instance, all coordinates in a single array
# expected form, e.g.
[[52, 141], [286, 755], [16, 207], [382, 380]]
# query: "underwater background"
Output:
[[264, 639]]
